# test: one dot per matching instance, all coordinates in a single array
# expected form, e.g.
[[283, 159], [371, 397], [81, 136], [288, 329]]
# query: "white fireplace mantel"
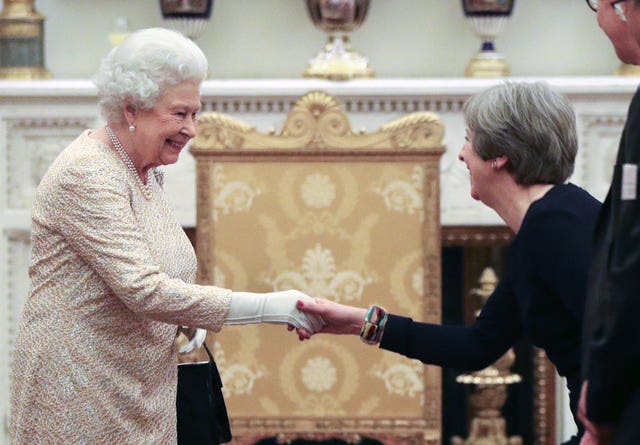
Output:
[[39, 118], [44, 115]]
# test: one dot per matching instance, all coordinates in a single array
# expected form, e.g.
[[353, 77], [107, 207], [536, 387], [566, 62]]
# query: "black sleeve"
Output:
[[559, 251], [468, 347], [614, 350]]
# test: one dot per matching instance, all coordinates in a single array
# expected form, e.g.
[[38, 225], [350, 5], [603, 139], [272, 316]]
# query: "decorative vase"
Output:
[[190, 17], [21, 41], [628, 70], [338, 61], [487, 18]]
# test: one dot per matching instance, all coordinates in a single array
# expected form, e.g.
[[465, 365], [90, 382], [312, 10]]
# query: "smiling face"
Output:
[[163, 131], [480, 171]]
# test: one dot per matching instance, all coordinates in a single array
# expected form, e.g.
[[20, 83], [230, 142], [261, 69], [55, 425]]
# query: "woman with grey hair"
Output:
[[112, 271], [520, 149]]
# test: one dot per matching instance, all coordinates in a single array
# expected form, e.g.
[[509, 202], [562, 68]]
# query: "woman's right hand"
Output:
[[338, 318]]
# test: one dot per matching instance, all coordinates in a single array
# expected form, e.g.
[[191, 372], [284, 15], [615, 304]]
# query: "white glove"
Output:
[[196, 341], [272, 307]]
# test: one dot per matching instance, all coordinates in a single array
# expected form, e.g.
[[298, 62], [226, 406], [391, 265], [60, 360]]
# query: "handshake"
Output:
[[270, 307], [273, 307], [306, 315]]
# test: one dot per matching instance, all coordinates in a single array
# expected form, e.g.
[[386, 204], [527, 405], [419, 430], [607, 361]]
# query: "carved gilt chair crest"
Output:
[[345, 215]]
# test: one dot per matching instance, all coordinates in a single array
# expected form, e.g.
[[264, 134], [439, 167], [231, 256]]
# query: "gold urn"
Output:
[[21, 41], [338, 61]]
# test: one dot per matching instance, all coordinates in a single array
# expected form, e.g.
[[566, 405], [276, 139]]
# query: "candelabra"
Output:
[[490, 387]]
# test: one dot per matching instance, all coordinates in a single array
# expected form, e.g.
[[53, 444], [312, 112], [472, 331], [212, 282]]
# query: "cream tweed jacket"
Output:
[[111, 278]]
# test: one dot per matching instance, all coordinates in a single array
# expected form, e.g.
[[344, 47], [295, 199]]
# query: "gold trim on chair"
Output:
[[317, 123]]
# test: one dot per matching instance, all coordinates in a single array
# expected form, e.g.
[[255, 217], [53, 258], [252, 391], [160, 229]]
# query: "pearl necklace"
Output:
[[146, 189]]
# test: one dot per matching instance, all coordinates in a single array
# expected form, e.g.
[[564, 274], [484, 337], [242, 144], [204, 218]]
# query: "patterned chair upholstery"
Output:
[[349, 216]]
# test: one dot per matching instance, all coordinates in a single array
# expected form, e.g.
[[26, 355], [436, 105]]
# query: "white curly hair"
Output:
[[140, 68]]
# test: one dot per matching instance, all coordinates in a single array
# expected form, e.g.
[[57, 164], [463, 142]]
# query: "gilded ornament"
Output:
[[487, 18], [21, 41], [337, 60], [490, 386], [317, 123]]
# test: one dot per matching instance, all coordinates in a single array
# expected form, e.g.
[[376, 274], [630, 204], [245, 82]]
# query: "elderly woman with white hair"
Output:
[[520, 147], [112, 271]]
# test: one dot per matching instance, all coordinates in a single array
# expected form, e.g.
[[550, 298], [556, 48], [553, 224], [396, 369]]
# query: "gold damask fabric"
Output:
[[352, 234], [330, 212], [94, 360]]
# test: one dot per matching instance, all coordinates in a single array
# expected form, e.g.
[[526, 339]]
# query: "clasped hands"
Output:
[[337, 318], [297, 310], [273, 307], [279, 307]]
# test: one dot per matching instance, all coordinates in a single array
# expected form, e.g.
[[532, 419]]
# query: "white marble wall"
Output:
[[37, 120]]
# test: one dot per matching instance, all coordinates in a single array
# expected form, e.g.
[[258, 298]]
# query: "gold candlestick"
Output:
[[21, 41], [490, 387]]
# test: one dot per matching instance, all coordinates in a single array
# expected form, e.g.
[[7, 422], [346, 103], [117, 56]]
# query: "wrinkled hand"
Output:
[[338, 318], [595, 434]]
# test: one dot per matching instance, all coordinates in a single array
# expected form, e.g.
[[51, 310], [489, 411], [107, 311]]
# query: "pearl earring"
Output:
[[132, 128]]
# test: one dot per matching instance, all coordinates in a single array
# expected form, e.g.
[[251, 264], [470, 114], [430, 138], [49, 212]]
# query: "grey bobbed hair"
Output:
[[531, 124]]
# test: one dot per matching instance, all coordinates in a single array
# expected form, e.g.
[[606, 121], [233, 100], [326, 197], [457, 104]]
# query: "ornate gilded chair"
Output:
[[349, 216]]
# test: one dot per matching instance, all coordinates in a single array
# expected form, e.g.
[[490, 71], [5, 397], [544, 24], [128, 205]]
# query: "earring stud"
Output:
[[132, 128]]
